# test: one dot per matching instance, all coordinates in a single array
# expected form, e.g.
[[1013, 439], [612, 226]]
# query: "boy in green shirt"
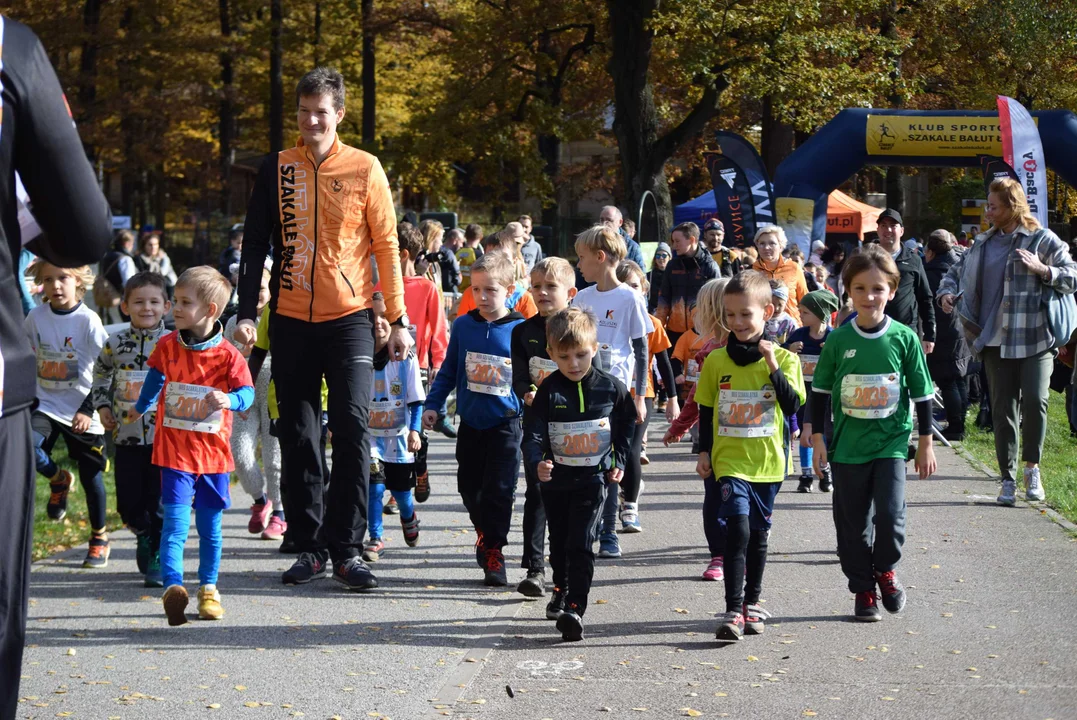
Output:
[[871, 369], [745, 392]]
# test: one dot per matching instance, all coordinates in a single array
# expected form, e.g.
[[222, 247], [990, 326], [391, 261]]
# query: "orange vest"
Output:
[[331, 216]]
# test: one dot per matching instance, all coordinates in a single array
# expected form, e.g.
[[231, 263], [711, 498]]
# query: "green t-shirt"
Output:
[[748, 437], [871, 380]]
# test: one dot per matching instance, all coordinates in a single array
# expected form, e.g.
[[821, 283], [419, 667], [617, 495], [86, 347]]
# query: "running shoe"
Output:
[[354, 574], [754, 619], [275, 529], [175, 603], [866, 607], [391, 508], [411, 530], [608, 545], [630, 518], [59, 487], [805, 483], [422, 487], [209, 603], [731, 629], [372, 550], [1008, 495], [307, 567], [570, 624], [153, 577], [97, 555], [534, 585], [892, 591], [715, 571], [260, 513], [494, 566], [1033, 485], [556, 606]]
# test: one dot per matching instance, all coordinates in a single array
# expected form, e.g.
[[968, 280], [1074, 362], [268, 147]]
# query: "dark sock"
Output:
[[279, 514], [261, 501]]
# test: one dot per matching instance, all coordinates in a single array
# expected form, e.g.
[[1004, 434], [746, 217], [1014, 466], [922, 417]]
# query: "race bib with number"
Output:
[[691, 371], [807, 365], [870, 396], [128, 388], [186, 409], [57, 370], [489, 374], [746, 413], [605, 355], [388, 418], [581, 444], [539, 369]]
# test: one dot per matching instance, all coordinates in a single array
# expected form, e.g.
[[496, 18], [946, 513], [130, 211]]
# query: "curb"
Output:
[[1043, 509]]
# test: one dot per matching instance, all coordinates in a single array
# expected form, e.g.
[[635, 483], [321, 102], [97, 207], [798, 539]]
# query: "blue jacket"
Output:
[[484, 396]]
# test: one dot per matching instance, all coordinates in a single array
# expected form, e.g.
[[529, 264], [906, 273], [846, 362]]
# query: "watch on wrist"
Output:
[[402, 321]]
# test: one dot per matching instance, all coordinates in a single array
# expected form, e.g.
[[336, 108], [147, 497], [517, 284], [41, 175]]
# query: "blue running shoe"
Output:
[[608, 545]]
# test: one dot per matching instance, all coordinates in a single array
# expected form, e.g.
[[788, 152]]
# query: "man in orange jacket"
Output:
[[326, 208]]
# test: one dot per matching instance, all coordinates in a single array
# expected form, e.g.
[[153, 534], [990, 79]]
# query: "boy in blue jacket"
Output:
[[478, 365]]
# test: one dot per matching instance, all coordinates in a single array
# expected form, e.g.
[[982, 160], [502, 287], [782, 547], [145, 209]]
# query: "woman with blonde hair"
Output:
[[770, 241], [1005, 289], [433, 233]]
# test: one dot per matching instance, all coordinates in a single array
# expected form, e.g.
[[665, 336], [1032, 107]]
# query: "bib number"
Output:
[[186, 409], [57, 370], [746, 413], [580, 444], [691, 372], [539, 369], [870, 397], [128, 387], [807, 364], [388, 418], [489, 374]]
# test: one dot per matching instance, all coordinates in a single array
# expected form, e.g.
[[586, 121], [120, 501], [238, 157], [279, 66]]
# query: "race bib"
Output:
[[870, 396], [605, 355], [57, 370], [691, 371], [539, 369], [746, 413], [128, 388], [807, 365], [388, 418], [581, 444], [186, 409], [489, 374]]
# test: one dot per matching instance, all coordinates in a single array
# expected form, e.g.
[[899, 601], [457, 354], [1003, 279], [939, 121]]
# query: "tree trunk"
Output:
[[895, 191], [227, 110], [317, 34], [777, 138], [369, 78], [635, 121], [276, 80], [87, 91]]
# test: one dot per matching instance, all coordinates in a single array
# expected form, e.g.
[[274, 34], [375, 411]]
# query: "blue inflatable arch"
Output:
[[859, 137]]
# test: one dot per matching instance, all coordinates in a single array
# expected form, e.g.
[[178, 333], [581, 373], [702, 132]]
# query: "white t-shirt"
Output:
[[66, 346], [395, 386], [621, 317]]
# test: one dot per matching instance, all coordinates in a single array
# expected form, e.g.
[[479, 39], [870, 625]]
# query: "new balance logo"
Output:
[[850, 353]]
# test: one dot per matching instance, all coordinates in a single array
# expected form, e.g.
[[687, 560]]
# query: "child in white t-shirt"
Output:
[[623, 328], [67, 337]]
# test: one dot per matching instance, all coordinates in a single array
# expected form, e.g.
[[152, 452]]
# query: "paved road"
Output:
[[988, 630]]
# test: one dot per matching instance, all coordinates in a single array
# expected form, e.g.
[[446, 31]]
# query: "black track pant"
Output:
[[744, 547], [138, 491], [17, 519], [574, 510], [633, 469]]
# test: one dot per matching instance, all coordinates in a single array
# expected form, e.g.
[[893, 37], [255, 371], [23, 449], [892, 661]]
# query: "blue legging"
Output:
[[806, 455], [404, 501], [177, 525]]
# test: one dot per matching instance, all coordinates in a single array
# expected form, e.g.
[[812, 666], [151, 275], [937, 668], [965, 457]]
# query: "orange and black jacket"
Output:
[[38, 140], [323, 221]]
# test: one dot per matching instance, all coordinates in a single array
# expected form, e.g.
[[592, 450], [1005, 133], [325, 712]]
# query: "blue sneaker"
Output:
[[630, 518], [608, 545]]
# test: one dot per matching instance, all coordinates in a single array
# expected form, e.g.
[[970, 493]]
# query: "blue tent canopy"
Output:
[[697, 210]]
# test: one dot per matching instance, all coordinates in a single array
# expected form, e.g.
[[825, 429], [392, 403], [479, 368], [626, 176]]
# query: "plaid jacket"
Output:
[[1024, 319]]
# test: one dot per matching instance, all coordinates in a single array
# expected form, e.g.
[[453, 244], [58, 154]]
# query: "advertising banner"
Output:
[[744, 154], [796, 216], [733, 198], [1023, 151]]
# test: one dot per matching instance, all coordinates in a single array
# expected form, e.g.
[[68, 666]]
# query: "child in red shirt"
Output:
[[204, 380]]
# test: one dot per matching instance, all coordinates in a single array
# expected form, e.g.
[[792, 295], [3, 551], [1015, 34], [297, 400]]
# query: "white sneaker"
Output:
[[1033, 486], [1008, 496]]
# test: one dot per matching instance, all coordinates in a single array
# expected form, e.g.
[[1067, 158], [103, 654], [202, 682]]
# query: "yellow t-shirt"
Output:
[[748, 423], [466, 257]]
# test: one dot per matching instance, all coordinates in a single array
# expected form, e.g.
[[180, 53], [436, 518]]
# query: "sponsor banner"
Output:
[[796, 216], [760, 188], [1023, 152], [733, 198], [933, 136]]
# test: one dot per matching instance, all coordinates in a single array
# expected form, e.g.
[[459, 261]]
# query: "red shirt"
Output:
[[220, 367], [429, 328]]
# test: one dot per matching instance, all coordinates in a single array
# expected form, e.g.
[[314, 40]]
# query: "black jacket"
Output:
[[914, 297], [528, 341], [951, 355], [38, 140], [450, 270], [681, 281], [598, 396]]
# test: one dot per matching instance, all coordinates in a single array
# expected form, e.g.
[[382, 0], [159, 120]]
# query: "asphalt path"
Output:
[[988, 629]]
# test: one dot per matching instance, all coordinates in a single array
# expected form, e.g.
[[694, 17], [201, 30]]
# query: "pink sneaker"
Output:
[[275, 529], [715, 571], [259, 517]]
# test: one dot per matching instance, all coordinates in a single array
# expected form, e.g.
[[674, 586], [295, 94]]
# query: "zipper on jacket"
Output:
[[346, 280], [579, 387], [314, 257]]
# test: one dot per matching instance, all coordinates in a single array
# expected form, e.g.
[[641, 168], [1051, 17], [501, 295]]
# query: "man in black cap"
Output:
[[913, 297], [713, 235]]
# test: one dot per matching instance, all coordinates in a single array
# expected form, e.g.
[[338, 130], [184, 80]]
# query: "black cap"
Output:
[[891, 214]]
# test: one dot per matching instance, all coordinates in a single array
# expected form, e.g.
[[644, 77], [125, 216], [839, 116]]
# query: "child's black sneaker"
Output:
[[867, 607], [494, 565], [556, 606], [354, 574], [480, 550], [805, 483], [892, 591], [153, 578], [534, 585], [754, 618], [411, 530], [59, 487], [422, 487], [826, 481], [97, 555], [142, 552], [731, 629], [570, 624], [306, 567]]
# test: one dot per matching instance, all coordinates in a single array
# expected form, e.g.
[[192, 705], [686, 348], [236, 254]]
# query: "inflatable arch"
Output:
[[863, 136]]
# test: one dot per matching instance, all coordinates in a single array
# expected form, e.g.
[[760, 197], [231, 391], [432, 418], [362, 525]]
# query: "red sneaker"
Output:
[[260, 513], [275, 529]]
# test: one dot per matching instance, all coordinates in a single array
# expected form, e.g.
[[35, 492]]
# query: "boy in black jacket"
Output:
[[552, 287], [578, 436]]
